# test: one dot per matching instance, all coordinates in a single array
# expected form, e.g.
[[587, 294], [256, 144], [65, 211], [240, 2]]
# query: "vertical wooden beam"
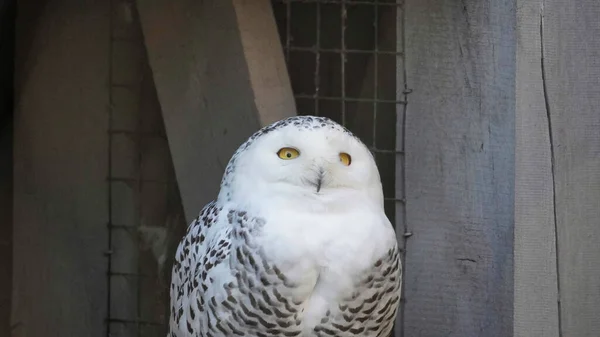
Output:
[[60, 170], [571, 82], [220, 75], [460, 64], [536, 295]]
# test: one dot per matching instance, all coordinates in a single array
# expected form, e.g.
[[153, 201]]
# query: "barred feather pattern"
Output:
[[223, 284]]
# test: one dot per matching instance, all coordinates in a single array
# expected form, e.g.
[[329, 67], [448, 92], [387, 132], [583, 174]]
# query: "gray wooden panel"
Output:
[[213, 97], [60, 171], [536, 292], [460, 64], [571, 40]]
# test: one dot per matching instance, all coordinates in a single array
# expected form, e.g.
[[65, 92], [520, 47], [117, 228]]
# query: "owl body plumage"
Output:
[[270, 258]]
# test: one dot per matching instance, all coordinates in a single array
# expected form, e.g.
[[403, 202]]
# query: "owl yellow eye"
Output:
[[287, 153], [345, 158]]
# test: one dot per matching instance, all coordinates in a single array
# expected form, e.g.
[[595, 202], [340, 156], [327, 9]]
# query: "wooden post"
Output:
[[60, 170], [536, 292], [460, 64], [564, 171], [220, 75]]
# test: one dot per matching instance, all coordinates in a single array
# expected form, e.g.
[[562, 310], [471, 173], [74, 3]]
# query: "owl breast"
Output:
[[326, 260]]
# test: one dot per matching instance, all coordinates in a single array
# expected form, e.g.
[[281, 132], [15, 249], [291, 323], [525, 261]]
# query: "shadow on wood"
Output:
[[60, 171]]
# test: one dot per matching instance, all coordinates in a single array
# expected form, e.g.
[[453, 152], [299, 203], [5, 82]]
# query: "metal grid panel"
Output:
[[146, 215], [345, 60]]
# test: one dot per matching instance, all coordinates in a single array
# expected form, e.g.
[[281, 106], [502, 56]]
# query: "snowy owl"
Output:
[[296, 243]]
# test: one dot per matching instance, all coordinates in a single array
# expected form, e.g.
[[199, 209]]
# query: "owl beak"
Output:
[[319, 181]]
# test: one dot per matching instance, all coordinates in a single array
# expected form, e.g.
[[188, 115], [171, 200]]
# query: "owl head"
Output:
[[302, 159]]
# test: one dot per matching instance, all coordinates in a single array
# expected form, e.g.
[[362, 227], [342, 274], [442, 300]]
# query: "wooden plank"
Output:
[[219, 73], [536, 292], [263, 54], [460, 64], [60, 171], [571, 44]]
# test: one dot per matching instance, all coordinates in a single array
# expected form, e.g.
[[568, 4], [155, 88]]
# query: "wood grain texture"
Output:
[[267, 71], [460, 64], [536, 288], [571, 40], [213, 97], [60, 171]]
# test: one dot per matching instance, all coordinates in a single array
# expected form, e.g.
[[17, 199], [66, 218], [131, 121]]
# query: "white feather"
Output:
[[323, 240]]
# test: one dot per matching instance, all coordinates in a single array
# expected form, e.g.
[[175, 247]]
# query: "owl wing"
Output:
[[371, 309], [223, 286], [200, 259]]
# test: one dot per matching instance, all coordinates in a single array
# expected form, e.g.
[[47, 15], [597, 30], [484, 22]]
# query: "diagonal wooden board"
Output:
[[220, 74]]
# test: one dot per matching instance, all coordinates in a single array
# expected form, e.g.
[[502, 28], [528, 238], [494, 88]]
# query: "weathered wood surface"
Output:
[[269, 80], [220, 75], [460, 64], [60, 170], [536, 292], [571, 44]]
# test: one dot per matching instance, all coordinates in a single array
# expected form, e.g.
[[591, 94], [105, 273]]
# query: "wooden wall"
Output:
[[536, 281], [475, 70], [460, 147], [60, 169], [557, 281]]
